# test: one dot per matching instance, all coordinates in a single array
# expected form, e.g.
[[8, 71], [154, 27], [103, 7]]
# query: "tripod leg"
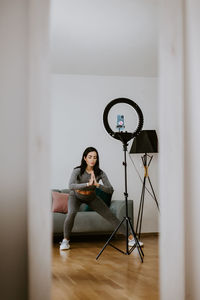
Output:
[[140, 207], [106, 244], [137, 244], [141, 215], [153, 193], [125, 144], [127, 249]]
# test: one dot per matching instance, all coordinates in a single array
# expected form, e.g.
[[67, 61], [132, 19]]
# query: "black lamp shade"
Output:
[[145, 142]]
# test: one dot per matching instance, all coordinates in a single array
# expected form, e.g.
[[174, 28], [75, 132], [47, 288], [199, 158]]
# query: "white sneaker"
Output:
[[131, 243], [64, 245]]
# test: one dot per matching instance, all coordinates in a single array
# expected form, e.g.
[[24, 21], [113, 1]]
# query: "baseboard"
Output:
[[150, 234]]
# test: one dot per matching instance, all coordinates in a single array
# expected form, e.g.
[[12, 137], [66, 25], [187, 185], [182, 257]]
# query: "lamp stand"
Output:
[[125, 219], [146, 165]]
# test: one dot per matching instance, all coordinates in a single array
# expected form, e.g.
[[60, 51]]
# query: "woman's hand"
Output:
[[91, 181], [94, 179]]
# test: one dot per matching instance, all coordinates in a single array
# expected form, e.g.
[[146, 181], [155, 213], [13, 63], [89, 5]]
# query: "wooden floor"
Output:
[[77, 275]]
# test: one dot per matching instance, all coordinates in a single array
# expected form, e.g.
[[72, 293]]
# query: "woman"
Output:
[[83, 182]]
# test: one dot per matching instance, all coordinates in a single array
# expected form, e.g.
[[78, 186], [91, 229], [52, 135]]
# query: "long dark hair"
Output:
[[97, 170]]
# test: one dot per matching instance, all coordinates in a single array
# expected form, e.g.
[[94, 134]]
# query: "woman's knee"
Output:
[[71, 215]]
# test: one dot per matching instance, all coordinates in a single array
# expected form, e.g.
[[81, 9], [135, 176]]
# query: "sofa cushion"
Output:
[[59, 202], [67, 191]]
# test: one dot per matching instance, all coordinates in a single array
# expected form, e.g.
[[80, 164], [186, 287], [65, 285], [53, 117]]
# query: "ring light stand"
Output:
[[124, 137]]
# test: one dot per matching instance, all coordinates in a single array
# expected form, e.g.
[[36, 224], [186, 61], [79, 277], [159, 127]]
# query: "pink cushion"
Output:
[[60, 202]]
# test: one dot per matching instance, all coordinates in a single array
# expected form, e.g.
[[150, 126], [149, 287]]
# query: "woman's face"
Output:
[[91, 159]]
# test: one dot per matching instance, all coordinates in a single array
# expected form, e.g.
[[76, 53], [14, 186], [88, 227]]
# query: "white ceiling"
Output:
[[104, 37]]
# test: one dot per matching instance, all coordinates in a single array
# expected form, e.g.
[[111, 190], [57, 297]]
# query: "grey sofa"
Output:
[[90, 222]]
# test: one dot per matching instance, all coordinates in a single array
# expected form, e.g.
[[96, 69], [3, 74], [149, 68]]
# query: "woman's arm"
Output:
[[73, 182], [106, 186]]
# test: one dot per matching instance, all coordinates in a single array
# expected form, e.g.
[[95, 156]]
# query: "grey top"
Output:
[[81, 184]]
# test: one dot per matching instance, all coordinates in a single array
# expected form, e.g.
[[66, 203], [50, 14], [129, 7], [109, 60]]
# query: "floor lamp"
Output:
[[145, 142]]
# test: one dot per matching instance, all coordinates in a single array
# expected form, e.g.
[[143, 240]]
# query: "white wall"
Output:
[[24, 171], [13, 150], [78, 103], [192, 149], [171, 164], [179, 108], [39, 200], [104, 37]]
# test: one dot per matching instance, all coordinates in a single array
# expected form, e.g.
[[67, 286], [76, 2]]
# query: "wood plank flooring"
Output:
[[77, 275]]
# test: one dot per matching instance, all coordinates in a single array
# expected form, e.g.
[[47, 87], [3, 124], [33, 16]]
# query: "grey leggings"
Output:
[[97, 205]]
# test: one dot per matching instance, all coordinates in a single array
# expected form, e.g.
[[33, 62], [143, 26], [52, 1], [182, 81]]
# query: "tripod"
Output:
[[126, 219], [141, 207]]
